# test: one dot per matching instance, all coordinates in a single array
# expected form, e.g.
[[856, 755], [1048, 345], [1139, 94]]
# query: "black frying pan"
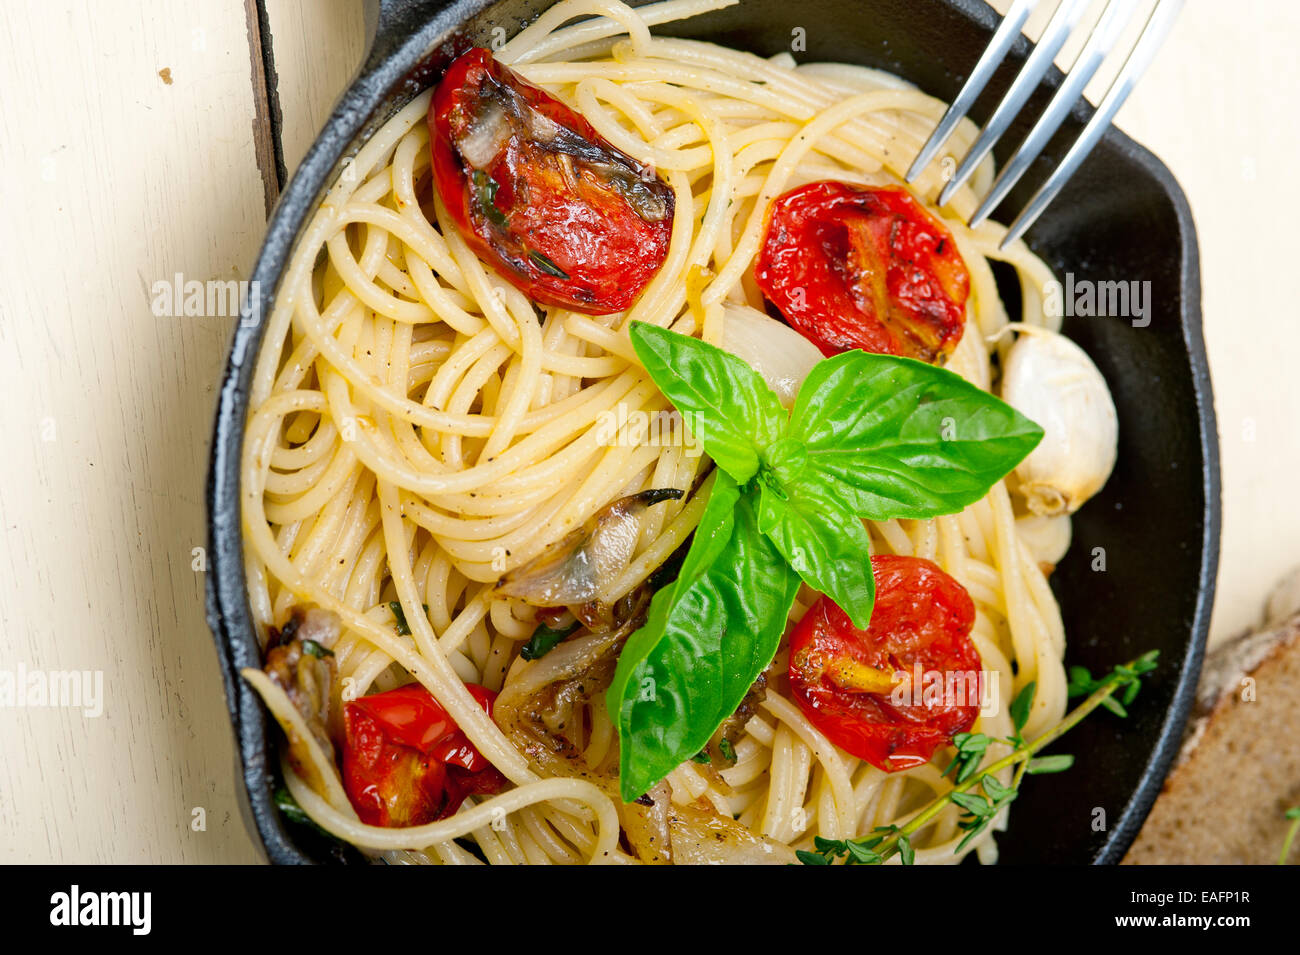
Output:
[[1122, 217]]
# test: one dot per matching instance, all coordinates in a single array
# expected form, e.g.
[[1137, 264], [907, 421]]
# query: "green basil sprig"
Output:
[[715, 391], [870, 437], [706, 638]]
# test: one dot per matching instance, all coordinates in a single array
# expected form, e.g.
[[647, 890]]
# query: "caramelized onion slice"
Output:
[[646, 826], [773, 349], [545, 698], [542, 699], [701, 836], [300, 662], [583, 564]]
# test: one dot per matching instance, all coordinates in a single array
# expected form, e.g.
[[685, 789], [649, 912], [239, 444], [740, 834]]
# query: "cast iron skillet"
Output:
[[1154, 528]]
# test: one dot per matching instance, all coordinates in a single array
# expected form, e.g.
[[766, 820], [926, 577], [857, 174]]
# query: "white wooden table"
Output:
[[134, 145]]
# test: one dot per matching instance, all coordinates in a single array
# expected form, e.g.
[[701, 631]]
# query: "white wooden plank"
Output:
[[114, 179], [318, 45]]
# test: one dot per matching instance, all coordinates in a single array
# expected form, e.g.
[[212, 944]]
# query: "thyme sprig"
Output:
[[1294, 815], [983, 807], [1128, 677]]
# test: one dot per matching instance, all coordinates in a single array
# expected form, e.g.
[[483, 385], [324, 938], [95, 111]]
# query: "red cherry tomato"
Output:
[[853, 267], [405, 762], [538, 193], [843, 677]]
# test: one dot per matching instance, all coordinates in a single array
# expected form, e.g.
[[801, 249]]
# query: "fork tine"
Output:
[[1058, 30], [1153, 34], [1116, 16], [1007, 32]]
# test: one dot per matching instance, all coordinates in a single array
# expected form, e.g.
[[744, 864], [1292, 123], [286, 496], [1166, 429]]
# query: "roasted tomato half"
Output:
[[405, 762], [538, 193], [845, 678], [853, 267]]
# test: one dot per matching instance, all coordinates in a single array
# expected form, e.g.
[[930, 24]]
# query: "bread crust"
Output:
[[1239, 768]]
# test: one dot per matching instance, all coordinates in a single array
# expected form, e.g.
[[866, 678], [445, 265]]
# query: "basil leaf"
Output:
[[399, 618], [724, 402], [705, 641], [895, 437], [823, 541], [293, 812], [711, 537], [485, 196], [545, 639], [714, 530], [289, 807]]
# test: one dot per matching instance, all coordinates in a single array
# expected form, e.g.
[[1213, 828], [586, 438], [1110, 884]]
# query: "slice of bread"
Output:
[[1239, 769]]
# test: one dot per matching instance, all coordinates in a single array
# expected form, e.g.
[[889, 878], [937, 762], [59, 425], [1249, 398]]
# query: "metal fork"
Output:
[[1117, 15]]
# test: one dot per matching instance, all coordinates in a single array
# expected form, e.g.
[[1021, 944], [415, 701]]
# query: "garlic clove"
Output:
[[1052, 381], [1048, 538]]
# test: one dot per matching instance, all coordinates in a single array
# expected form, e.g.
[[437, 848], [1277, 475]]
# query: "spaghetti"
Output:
[[416, 434]]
